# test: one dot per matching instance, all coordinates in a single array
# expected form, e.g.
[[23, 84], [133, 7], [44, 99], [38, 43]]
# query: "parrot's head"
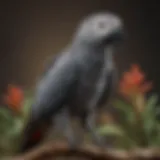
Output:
[[100, 28]]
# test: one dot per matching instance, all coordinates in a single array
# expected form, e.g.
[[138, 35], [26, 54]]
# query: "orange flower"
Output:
[[133, 82], [14, 97]]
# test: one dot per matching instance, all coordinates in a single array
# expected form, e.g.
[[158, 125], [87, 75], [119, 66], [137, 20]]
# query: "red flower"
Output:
[[14, 97], [133, 82]]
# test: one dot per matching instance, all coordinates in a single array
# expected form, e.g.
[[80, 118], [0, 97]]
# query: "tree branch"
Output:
[[57, 148]]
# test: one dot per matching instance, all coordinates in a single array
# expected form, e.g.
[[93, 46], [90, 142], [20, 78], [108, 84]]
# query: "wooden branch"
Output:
[[57, 148]]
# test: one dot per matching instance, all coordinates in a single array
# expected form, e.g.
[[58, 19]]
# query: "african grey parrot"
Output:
[[80, 78]]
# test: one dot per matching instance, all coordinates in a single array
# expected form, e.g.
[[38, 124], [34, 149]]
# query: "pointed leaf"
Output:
[[149, 117], [5, 113], [111, 130], [119, 134], [125, 109], [127, 117], [151, 105], [27, 106]]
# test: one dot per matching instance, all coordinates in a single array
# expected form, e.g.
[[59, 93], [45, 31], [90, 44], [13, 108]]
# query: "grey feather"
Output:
[[54, 88]]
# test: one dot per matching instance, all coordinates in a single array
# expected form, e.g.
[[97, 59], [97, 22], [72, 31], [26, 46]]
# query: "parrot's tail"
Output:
[[30, 142], [31, 139]]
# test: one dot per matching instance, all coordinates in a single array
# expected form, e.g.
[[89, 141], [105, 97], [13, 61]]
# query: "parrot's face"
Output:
[[101, 28]]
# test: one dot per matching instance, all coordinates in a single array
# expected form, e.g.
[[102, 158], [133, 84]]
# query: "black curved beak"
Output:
[[116, 36]]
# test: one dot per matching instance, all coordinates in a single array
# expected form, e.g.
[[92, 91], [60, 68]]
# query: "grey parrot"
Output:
[[80, 79]]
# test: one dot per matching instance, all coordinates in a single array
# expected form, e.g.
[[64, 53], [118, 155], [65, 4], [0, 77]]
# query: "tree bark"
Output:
[[55, 149]]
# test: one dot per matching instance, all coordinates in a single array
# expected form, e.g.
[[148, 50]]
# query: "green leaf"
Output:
[[5, 113], [17, 128], [27, 106], [155, 140], [6, 120], [127, 118], [125, 109], [157, 110], [149, 117], [151, 106], [111, 130], [118, 133]]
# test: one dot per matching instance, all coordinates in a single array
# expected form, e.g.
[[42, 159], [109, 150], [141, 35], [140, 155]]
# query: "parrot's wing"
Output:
[[52, 92], [54, 89]]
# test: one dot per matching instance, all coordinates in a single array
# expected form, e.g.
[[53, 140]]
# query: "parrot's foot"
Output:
[[73, 144], [99, 140], [73, 140], [109, 141], [103, 142]]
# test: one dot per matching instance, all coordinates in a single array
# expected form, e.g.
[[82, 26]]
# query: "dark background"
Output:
[[30, 31]]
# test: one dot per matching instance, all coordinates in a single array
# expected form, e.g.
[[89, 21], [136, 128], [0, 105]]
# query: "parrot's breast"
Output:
[[86, 87]]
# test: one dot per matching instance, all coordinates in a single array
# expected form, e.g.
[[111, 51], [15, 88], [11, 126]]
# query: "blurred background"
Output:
[[31, 31]]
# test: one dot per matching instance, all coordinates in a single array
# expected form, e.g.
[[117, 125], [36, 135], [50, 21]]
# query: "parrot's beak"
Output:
[[117, 36]]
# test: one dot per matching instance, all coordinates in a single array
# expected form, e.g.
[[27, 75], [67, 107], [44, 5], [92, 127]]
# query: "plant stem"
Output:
[[142, 138]]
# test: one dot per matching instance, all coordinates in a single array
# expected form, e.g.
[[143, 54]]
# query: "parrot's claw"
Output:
[[73, 140], [97, 139], [73, 144]]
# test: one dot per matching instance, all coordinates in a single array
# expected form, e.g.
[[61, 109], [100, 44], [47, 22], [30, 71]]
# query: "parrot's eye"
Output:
[[101, 25]]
